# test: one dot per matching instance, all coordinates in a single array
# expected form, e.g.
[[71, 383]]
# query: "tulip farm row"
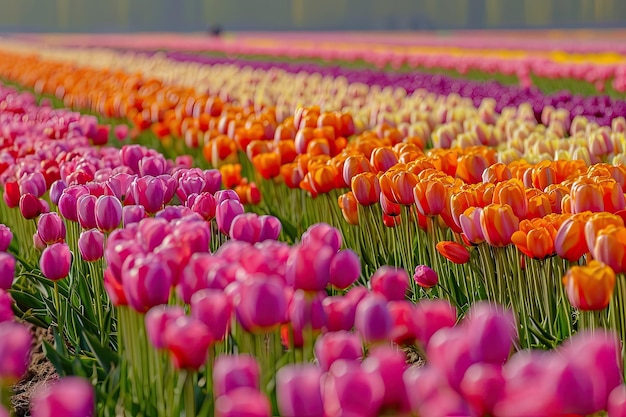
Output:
[[207, 236]]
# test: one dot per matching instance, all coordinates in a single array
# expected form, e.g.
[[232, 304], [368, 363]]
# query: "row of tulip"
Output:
[[493, 57]]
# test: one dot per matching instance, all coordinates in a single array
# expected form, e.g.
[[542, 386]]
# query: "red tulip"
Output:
[[453, 251], [187, 339]]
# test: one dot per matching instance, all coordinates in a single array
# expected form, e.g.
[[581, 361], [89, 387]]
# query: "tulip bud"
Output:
[[6, 306], [491, 332], [147, 281], [590, 287], [30, 206], [345, 269], [453, 251], [231, 372], [69, 397], [617, 402], [187, 339], [55, 261], [262, 304], [132, 214], [204, 204], [308, 266], [226, 212], [432, 315], [246, 227], [324, 233], [56, 190], [345, 380], [339, 313], [333, 346], [270, 228], [389, 363], [425, 277], [7, 270], [86, 211], [108, 213]]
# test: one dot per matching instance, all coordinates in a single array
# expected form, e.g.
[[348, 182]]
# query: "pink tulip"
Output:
[[15, 346], [133, 214], [33, 183], [203, 204], [108, 213], [448, 350], [55, 261], [193, 233], [270, 228], [213, 179], [68, 397], [422, 384], [213, 308], [617, 402], [86, 211], [149, 192], [345, 269], [246, 227], [38, 243], [50, 228], [68, 201], [306, 315], [157, 320], [334, 346], [262, 304], [403, 319], [226, 212], [30, 206], [187, 339], [114, 289], [243, 402], [131, 155], [121, 132], [190, 182], [483, 387], [490, 333], [4, 412], [389, 364], [194, 276], [91, 245], [298, 389], [119, 184], [223, 195], [152, 165], [349, 390], [372, 319], [6, 306], [339, 313], [231, 372], [323, 233], [6, 236], [308, 267], [425, 277], [56, 190], [390, 282], [147, 282], [7, 270]]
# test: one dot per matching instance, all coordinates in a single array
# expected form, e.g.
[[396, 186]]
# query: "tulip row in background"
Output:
[[593, 66], [535, 192]]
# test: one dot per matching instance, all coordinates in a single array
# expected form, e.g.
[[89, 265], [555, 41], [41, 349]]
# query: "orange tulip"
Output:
[[586, 195], [291, 175], [513, 193], [366, 188], [539, 206], [590, 287], [430, 197], [353, 165], [319, 146], [543, 175], [383, 158], [613, 195], [469, 222], [256, 147], [556, 193], [267, 164], [461, 201], [596, 223], [471, 167], [322, 178], [535, 239], [498, 223], [453, 251], [570, 240], [349, 208], [231, 175], [496, 173], [389, 207], [287, 151], [610, 248], [403, 183]]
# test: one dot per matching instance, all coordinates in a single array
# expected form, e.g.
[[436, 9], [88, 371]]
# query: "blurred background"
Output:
[[198, 15]]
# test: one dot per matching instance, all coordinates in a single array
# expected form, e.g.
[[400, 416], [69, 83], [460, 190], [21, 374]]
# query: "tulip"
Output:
[[382, 159], [483, 387], [146, 281], [6, 306], [226, 212], [365, 188], [132, 214], [33, 183], [56, 190], [498, 223], [245, 227], [6, 236], [430, 197], [349, 208], [232, 372], [354, 165], [471, 167], [448, 350], [570, 240], [431, 316], [203, 204], [334, 346], [187, 339], [535, 243], [596, 223], [388, 207], [308, 266], [91, 245], [68, 201], [70, 397], [30, 206], [108, 213], [157, 320], [4, 412], [55, 261], [7, 270], [150, 192], [403, 184], [299, 392], [587, 197], [372, 319], [241, 402], [339, 312], [213, 308], [470, 225], [617, 402], [15, 346], [307, 316], [51, 228], [453, 251], [261, 305], [590, 287], [490, 333], [425, 277], [349, 390], [345, 269], [392, 283], [610, 248], [389, 363]]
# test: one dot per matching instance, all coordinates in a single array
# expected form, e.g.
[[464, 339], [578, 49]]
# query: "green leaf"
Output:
[[62, 364], [105, 356], [288, 228]]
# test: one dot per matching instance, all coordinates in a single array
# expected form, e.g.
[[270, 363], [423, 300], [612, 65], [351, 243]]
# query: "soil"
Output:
[[40, 372]]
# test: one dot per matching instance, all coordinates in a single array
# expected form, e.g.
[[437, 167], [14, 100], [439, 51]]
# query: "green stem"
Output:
[[57, 302], [190, 402]]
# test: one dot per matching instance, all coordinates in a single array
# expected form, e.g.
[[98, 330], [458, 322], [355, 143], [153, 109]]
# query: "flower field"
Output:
[[334, 225]]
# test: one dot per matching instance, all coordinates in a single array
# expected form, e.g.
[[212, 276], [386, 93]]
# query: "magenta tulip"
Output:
[[213, 308], [108, 213], [432, 315], [345, 269], [449, 351], [270, 228], [226, 212], [423, 384], [213, 179], [243, 402], [203, 204], [349, 390], [262, 304], [308, 267], [235, 371], [403, 319], [333, 346], [56, 189], [372, 319], [133, 214], [38, 243], [425, 277], [149, 192], [246, 227], [15, 346], [617, 402], [195, 275], [120, 132], [389, 363], [157, 320], [33, 183], [55, 261], [223, 195], [152, 165], [86, 211], [152, 231], [483, 387], [323, 233], [190, 182], [91, 245], [6, 306], [4, 412], [7, 270], [147, 283], [119, 184], [339, 313], [307, 316], [131, 155], [51, 228], [68, 201], [390, 282], [6, 236], [30, 206], [491, 332], [187, 339], [298, 389], [68, 397]]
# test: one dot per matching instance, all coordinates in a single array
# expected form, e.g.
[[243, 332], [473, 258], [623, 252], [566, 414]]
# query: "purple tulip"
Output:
[[6, 236], [349, 390], [243, 402], [262, 304], [425, 277], [91, 245], [345, 269], [33, 183], [226, 212], [432, 315], [157, 320], [56, 190], [147, 282], [69, 397], [131, 155], [152, 165], [15, 346], [6, 306], [187, 339], [193, 233], [51, 228], [298, 389], [334, 346], [231, 372], [132, 214], [55, 261], [119, 184], [308, 267], [213, 308], [30, 206], [108, 213], [389, 364], [7, 270], [270, 228], [213, 179], [390, 282], [372, 319], [86, 211]]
